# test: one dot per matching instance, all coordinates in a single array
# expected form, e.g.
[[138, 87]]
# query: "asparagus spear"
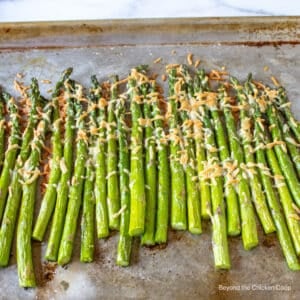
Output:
[[37, 102], [163, 172], [13, 148], [249, 230], [286, 199], [88, 209], [284, 105], [113, 203], [15, 189], [30, 174], [49, 199], [284, 160], [233, 216], [137, 182], [280, 182], [125, 240], [290, 142], [275, 208], [200, 147], [178, 188], [218, 216], [150, 170], [246, 135], [76, 188], [281, 227], [12, 205], [11, 152], [2, 130], [193, 197], [100, 180], [66, 165], [88, 218]]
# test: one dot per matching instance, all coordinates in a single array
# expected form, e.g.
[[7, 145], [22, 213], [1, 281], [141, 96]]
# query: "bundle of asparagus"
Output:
[[215, 150]]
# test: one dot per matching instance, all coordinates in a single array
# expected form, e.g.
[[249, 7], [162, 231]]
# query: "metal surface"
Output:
[[184, 269]]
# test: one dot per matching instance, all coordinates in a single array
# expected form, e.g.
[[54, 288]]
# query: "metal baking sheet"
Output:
[[184, 269]]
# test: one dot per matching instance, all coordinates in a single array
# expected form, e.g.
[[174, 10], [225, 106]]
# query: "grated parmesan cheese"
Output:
[[275, 81], [197, 63], [158, 60], [189, 58]]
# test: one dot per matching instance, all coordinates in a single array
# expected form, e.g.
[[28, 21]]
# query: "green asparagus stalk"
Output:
[[88, 209], [204, 183], [290, 142], [66, 165], [15, 189], [11, 152], [286, 199], [30, 174], [76, 188], [284, 106], [249, 230], [163, 171], [233, 215], [246, 124], [232, 205], [178, 188], [137, 181], [284, 160], [278, 217], [125, 240], [49, 199], [2, 130], [150, 170], [12, 205], [113, 202], [100, 180], [280, 181], [193, 197], [88, 218], [37, 102], [281, 227], [218, 215], [13, 148]]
